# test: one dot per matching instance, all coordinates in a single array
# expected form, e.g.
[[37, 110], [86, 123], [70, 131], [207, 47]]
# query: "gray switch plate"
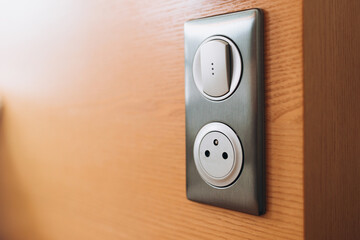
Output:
[[243, 111]]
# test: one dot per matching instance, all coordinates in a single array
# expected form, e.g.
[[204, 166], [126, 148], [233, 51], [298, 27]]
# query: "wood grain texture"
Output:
[[92, 137], [332, 119]]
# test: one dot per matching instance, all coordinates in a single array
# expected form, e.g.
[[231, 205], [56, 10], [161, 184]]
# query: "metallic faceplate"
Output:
[[243, 111]]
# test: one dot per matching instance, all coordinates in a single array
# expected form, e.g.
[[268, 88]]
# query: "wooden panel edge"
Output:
[[331, 119]]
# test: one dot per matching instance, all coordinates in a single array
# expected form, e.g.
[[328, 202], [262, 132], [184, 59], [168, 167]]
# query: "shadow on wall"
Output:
[[15, 208]]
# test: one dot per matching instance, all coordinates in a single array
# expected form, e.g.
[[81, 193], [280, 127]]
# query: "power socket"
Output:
[[218, 154]]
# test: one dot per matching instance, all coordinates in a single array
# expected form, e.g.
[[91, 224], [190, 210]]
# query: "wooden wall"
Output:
[[92, 132], [332, 119]]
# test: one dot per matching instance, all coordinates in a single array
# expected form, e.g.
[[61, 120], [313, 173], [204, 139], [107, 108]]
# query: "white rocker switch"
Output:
[[215, 67]]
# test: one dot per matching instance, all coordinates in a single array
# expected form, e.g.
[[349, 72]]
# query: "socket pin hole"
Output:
[[216, 142], [225, 155], [207, 153]]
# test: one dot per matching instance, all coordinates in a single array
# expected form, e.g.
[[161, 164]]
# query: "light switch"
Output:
[[215, 67]]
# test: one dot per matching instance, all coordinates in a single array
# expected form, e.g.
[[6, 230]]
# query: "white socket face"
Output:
[[216, 155]]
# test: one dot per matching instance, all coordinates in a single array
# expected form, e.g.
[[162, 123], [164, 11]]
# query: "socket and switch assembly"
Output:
[[224, 93]]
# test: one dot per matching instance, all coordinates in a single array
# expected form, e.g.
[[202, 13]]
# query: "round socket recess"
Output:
[[218, 154]]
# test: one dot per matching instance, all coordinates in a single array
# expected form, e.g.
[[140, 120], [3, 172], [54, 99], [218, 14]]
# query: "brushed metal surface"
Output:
[[243, 111]]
